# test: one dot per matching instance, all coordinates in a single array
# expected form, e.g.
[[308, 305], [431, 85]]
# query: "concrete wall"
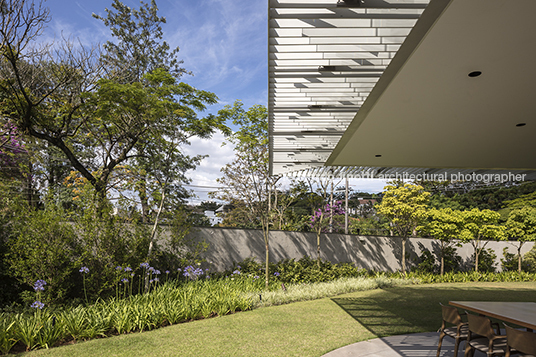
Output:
[[229, 245]]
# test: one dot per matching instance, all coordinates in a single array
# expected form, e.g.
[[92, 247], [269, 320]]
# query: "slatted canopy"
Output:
[[348, 69]]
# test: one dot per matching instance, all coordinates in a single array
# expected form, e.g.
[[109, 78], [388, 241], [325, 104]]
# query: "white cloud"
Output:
[[209, 170], [367, 185], [223, 42]]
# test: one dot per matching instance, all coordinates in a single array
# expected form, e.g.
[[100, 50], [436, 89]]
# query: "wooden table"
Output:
[[519, 313]]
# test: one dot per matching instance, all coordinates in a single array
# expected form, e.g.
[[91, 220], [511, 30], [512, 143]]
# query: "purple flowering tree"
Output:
[[320, 221], [12, 151]]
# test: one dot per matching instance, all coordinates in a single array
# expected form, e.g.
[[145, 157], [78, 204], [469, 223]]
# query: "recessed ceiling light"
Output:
[[378, 156], [521, 124], [475, 74]]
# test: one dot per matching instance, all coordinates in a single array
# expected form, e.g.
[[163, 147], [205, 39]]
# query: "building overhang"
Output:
[[352, 95]]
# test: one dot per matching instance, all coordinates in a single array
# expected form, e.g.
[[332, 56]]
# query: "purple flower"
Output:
[[192, 273], [127, 269], [37, 305], [157, 272], [167, 271], [236, 272], [84, 270], [144, 265], [124, 280], [256, 277], [276, 274], [39, 285], [118, 268]]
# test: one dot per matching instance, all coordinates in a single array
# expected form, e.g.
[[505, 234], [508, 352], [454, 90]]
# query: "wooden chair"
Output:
[[452, 326], [522, 342], [482, 337]]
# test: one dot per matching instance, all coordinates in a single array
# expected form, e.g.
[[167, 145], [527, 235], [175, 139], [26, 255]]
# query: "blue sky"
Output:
[[224, 44]]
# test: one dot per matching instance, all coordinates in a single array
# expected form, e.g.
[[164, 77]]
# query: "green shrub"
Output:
[[509, 261], [304, 270], [452, 260], [486, 260], [44, 247], [426, 263]]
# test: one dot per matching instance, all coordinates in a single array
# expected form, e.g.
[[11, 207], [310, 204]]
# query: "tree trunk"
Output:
[[267, 256], [476, 259], [519, 257], [153, 235], [144, 200], [404, 239], [318, 248], [442, 263]]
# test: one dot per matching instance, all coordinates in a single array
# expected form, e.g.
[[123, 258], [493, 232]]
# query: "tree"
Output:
[[405, 206], [479, 227], [282, 201], [247, 178], [321, 222], [521, 225], [444, 225], [113, 106]]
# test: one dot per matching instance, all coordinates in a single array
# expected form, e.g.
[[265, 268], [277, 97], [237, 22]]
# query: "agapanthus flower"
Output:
[[118, 268], [127, 269], [37, 305], [192, 273], [236, 272], [84, 270], [276, 274], [157, 272], [39, 285], [144, 265], [167, 271], [124, 280]]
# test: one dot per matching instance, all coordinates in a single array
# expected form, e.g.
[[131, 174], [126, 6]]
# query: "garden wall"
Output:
[[229, 245]]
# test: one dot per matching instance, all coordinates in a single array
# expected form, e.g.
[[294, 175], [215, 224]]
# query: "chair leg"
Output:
[[456, 346], [469, 350], [441, 336]]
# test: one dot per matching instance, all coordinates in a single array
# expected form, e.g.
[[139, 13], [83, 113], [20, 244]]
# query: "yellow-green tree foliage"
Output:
[[521, 225], [445, 225], [481, 226], [405, 207]]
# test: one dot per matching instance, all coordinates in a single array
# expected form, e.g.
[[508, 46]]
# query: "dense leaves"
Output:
[[405, 207]]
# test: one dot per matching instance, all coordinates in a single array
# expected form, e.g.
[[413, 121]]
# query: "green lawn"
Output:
[[310, 328]]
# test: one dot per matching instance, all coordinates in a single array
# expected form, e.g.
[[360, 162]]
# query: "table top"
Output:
[[519, 313]]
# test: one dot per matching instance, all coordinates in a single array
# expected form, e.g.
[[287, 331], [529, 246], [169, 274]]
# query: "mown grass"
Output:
[[305, 292], [309, 328]]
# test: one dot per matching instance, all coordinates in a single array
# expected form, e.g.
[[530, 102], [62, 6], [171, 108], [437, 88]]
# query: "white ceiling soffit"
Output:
[[325, 57], [431, 109]]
